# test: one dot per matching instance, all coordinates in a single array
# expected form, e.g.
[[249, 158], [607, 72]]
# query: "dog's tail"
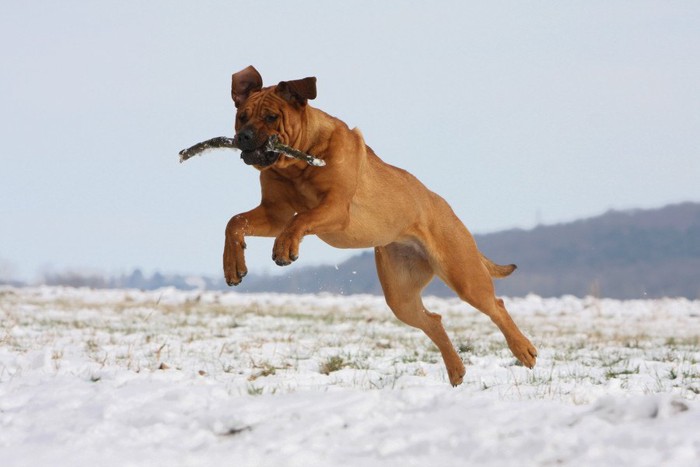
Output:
[[497, 271]]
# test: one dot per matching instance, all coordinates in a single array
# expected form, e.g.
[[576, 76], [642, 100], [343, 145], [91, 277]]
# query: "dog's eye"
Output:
[[270, 118], [243, 117]]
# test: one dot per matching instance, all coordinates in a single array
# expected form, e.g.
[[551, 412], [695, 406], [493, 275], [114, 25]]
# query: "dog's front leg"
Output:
[[332, 215], [263, 221]]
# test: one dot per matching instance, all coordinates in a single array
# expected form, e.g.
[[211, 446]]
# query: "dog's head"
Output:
[[263, 112]]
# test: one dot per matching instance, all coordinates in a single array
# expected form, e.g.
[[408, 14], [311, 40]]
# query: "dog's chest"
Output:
[[294, 189], [305, 195]]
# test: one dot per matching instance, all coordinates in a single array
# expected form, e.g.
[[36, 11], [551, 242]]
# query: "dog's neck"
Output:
[[318, 136]]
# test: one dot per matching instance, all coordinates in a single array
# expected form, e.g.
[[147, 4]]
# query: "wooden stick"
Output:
[[273, 145], [214, 143]]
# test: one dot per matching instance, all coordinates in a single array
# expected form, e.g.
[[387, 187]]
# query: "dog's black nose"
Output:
[[245, 139]]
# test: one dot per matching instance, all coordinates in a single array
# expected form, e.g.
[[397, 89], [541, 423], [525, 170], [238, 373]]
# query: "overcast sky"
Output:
[[517, 113]]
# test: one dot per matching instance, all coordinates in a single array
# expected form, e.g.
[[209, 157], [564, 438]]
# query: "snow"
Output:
[[124, 377]]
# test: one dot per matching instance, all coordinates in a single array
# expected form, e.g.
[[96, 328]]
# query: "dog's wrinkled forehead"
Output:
[[264, 100]]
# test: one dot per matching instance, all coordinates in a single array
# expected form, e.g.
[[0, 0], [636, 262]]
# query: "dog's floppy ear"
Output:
[[244, 83], [298, 90]]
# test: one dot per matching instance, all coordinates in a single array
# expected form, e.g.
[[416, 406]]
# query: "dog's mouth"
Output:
[[260, 156]]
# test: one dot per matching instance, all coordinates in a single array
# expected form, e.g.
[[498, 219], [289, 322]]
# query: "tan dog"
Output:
[[357, 201]]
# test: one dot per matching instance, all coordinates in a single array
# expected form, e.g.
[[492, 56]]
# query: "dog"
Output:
[[357, 201]]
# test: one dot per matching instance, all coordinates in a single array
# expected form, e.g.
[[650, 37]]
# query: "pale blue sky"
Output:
[[516, 112]]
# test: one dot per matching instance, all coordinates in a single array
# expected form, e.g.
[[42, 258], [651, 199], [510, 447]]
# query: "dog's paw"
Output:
[[525, 352], [234, 262], [286, 250], [456, 374], [234, 279], [279, 261]]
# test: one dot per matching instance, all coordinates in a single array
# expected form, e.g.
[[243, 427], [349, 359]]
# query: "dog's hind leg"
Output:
[[403, 272], [458, 262]]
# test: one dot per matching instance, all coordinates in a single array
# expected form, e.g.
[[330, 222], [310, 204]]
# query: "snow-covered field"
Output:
[[123, 377]]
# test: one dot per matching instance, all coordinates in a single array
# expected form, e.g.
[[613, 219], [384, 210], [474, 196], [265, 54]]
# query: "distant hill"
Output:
[[620, 254]]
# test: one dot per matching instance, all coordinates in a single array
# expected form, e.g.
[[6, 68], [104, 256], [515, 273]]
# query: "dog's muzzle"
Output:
[[260, 156], [254, 151]]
